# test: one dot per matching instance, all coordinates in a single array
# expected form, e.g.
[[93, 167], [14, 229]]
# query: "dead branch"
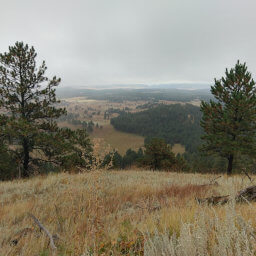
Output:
[[42, 227], [213, 181], [247, 175], [214, 200], [246, 195]]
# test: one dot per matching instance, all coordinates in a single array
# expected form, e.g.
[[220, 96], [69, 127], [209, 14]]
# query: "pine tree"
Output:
[[159, 155], [229, 121], [29, 112]]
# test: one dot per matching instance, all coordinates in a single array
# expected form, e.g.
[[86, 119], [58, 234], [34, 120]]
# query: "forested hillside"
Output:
[[174, 123]]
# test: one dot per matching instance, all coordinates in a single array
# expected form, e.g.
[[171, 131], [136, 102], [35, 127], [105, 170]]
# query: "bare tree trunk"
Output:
[[26, 157], [19, 170], [230, 164]]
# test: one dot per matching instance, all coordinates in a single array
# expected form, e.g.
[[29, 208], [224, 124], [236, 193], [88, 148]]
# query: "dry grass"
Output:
[[121, 141], [68, 125], [121, 213], [178, 149]]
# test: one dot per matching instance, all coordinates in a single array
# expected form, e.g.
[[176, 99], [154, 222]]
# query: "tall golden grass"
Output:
[[124, 213]]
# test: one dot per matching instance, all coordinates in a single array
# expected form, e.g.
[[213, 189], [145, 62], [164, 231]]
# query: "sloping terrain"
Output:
[[123, 213]]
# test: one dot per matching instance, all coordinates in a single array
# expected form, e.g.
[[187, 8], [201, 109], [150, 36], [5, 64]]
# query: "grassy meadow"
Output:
[[121, 141], [125, 213]]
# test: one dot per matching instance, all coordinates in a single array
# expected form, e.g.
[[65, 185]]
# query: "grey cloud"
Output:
[[133, 41]]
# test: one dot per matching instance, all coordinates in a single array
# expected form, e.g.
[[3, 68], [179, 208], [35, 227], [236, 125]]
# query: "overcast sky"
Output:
[[92, 42]]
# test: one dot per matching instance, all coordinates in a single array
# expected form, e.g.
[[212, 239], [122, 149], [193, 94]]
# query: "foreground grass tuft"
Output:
[[124, 213]]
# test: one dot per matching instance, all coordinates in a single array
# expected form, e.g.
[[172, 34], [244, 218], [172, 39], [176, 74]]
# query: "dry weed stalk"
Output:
[[100, 150]]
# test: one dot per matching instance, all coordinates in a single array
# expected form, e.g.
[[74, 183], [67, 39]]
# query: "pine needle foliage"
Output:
[[29, 111], [229, 121]]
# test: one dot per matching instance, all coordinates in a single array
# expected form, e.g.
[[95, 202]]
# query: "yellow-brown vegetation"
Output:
[[120, 141], [178, 149], [113, 212]]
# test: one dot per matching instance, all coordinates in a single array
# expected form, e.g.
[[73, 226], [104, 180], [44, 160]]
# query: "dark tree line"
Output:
[[157, 155], [73, 119], [116, 161], [173, 123]]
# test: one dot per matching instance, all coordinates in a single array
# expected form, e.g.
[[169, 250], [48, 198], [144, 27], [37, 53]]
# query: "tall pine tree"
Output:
[[229, 121], [29, 111]]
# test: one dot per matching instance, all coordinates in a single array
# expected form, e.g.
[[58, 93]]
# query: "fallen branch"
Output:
[[246, 195], [214, 200], [214, 180], [41, 226]]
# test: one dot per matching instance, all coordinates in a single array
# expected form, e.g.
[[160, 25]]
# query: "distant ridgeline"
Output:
[[120, 95], [174, 123]]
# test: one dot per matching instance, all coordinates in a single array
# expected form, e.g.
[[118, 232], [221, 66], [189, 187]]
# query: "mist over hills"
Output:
[[174, 92], [185, 86]]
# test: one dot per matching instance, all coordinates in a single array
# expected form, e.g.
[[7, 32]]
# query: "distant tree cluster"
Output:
[[148, 105], [157, 155], [114, 160], [73, 119], [173, 123], [110, 111]]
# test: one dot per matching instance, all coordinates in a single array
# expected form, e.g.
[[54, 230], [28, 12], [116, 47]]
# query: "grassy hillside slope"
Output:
[[124, 213]]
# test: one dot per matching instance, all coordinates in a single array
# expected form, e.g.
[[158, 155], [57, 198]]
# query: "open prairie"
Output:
[[125, 213]]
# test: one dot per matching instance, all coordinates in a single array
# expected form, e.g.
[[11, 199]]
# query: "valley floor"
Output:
[[125, 213]]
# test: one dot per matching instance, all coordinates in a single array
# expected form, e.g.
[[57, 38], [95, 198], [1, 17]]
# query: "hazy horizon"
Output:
[[96, 42], [175, 85]]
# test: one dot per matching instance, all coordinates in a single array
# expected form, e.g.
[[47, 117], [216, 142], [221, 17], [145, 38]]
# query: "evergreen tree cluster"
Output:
[[116, 161], [73, 119], [174, 123], [157, 155]]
